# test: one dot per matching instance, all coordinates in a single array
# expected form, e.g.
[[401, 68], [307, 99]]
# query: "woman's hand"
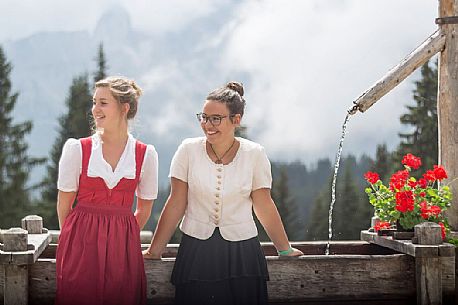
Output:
[[148, 255], [290, 252], [295, 252]]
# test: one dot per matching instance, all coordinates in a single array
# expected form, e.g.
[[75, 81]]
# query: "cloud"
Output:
[[27, 17], [308, 60], [169, 16], [302, 62]]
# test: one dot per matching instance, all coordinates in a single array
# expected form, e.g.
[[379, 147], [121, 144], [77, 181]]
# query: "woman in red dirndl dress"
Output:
[[99, 259]]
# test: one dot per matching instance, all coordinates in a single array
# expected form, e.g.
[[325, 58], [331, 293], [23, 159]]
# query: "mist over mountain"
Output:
[[302, 64], [174, 72]]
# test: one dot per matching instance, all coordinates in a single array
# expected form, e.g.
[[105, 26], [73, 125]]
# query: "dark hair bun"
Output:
[[238, 87]]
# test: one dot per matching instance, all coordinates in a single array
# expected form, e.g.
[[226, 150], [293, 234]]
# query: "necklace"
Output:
[[219, 160]]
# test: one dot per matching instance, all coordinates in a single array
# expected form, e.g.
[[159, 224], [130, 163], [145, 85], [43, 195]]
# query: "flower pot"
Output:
[[402, 233], [386, 232]]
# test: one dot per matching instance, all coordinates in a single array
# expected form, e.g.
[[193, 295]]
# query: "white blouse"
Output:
[[70, 167], [220, 195]]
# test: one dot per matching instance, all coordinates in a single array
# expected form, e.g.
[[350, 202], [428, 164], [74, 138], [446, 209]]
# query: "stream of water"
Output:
[[334, 180]]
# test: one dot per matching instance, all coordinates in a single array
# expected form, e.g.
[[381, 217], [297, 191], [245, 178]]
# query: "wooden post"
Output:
[[15, 239], [16, 276], [447, 104], [428, 271], [428, 233], [33, 224]]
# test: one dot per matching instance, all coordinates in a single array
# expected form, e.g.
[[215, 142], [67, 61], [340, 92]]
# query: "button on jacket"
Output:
[[219, 195]]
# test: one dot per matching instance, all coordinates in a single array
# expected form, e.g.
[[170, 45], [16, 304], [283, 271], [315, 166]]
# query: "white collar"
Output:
[[98, 167]]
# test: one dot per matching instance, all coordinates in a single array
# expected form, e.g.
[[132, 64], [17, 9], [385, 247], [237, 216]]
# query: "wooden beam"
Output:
[[447, 105], [428, 271], [16, 286], [16, 289], [407, 247], [434, 44]]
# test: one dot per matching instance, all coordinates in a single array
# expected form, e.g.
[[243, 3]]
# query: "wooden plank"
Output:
[[314, 277], [308, 247], [42, 279], [456, 276], [448, 279], [145, 236], [36, 243], [341, 277], [434, 44], [158, 274], [429, 280], [407, 247], [16, 285]]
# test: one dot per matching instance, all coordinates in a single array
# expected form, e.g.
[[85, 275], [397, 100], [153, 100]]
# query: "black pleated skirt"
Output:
[[217, 271]]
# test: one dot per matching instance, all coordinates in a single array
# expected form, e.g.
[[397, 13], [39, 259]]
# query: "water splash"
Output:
[[334, 180]]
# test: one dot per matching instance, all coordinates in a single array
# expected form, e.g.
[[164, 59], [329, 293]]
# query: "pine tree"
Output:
[[351, 213], [241, 131], [15, 164], [383, 163], [317, 224], [318, 220], [101, 65], [286, 205], [422, 141], [73, 124]]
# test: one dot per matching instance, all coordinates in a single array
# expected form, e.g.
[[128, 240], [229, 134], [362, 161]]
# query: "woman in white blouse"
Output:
[[99, 259], [216, 182]]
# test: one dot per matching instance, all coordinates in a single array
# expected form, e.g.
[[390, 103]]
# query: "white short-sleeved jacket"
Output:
[[70, 166], [219, 195]]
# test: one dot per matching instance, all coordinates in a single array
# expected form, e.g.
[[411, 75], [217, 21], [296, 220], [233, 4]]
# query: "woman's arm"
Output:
[[143, 211], [267, 213], [64, 205], [170, 217]]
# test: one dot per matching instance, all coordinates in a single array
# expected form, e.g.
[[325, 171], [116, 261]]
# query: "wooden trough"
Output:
[[356, 272]]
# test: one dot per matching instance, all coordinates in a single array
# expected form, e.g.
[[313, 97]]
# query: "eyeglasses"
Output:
[[215, 120]]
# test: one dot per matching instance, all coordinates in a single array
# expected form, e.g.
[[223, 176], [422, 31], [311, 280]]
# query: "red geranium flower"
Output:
[[429, 211], [411, 161], [404, 201], [442, 230], [381, 225], [423, 183], [429, 175], [439, 172], [412, 183], [399, 179], [372, 177], [410, 200]]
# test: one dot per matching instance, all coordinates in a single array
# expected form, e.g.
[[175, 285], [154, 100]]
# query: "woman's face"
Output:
[[222, 132], [108, 113]]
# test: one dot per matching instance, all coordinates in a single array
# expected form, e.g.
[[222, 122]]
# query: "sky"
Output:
[[306, 60]]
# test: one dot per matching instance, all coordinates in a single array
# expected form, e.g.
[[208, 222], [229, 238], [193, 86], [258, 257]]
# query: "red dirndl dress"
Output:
[[99, 259]]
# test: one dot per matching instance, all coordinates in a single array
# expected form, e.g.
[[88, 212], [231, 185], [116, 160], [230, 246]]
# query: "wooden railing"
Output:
[[19, 249], [378, 269], [435, 269]]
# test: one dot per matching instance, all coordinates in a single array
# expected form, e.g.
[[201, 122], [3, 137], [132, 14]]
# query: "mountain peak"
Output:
[[114, 20]]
